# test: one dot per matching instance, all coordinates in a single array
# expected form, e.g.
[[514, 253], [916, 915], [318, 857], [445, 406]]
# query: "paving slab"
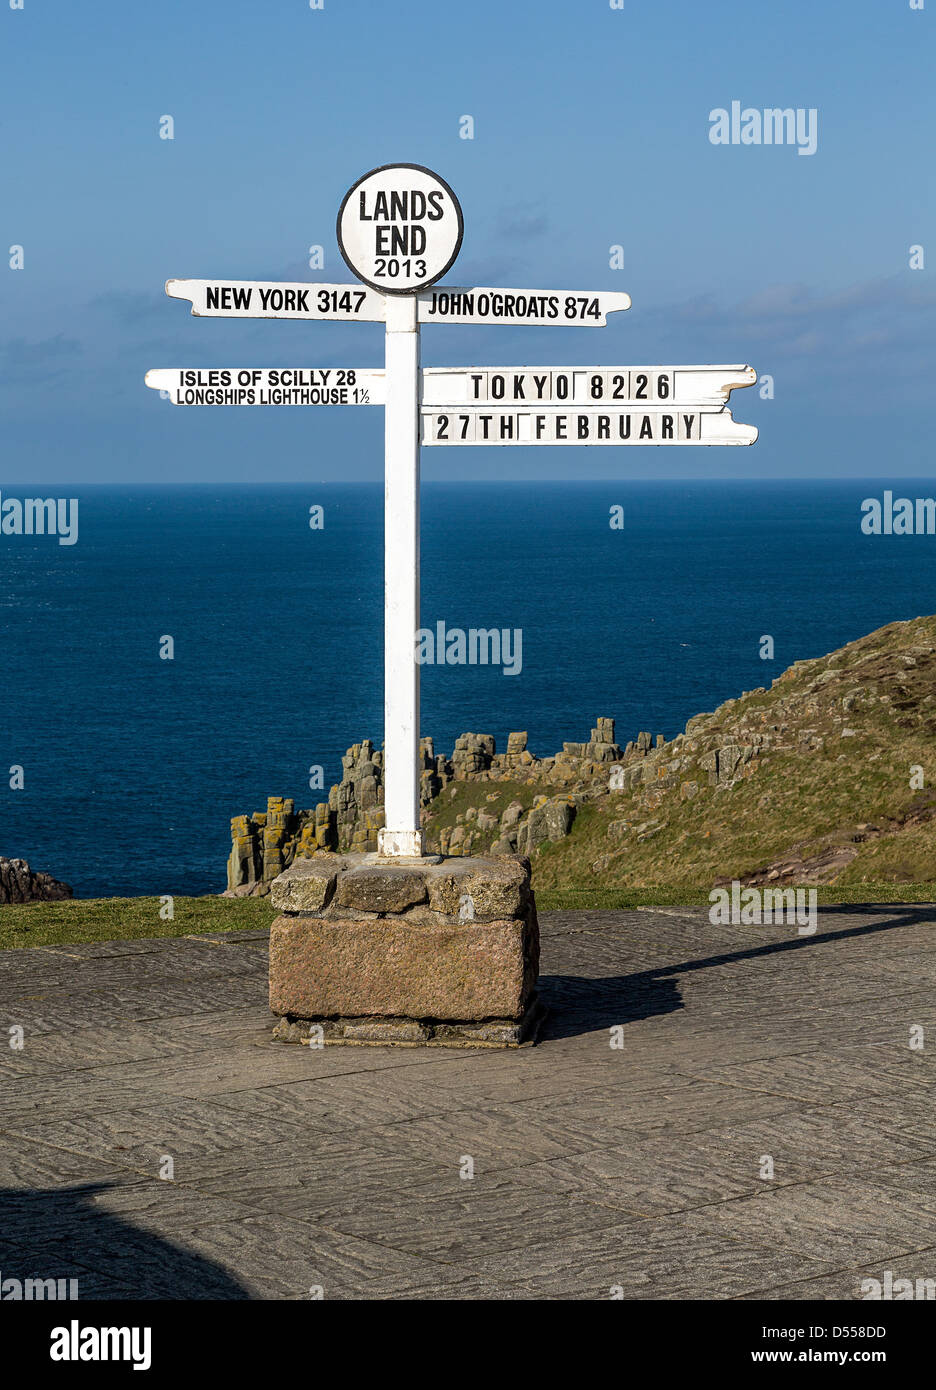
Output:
[[711, 1112], [835, 1218], [305, 1178], [647, 1259]]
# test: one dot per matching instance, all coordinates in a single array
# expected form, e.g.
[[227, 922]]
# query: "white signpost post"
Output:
[[400, 229]]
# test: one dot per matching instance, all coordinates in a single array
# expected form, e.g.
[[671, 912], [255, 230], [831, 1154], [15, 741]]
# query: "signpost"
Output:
[[400, 229], [555, 308], [585, 386], [269, 385], [273, 299], [485, 425]]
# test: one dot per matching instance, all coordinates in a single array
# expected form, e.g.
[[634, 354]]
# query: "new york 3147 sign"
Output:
[[400, 229]]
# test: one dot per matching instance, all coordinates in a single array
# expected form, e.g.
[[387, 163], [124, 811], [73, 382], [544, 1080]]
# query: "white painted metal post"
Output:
[[401, 834]]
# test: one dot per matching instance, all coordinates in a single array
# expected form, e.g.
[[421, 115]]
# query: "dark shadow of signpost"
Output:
[[579, 1004]]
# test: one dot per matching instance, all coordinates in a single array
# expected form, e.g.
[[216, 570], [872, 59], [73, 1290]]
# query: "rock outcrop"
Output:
[[266, 842], [21, 884]]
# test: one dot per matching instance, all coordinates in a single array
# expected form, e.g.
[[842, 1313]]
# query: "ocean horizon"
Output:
[[133, 764]]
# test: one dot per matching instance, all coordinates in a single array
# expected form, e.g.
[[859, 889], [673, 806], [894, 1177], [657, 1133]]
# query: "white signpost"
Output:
[[269, 385], [400, 229], [487, 425], [266, 299], [549, 308], [585, 386]]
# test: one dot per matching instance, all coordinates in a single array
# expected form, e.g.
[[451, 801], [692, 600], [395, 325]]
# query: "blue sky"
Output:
[[591, 130]]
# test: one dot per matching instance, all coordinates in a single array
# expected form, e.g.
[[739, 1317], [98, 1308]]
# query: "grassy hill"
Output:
[[824, 778]]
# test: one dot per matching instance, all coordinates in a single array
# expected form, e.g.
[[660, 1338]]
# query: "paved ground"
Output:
[[595, 1166]]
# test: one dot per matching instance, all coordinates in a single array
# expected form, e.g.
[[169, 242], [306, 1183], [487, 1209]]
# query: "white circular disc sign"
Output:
[[400, 228]]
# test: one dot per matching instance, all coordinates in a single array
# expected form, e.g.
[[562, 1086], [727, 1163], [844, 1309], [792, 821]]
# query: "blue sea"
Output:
[[133, 764]]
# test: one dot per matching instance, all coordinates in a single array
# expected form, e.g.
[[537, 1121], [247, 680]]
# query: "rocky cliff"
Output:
[[822, 777], [268, 841]]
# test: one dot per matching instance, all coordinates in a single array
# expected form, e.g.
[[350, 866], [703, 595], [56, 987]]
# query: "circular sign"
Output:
[[400, 228]]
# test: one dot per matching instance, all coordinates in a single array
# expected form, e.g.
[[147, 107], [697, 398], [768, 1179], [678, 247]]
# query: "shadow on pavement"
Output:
[[578, 1004], [58, 1233]]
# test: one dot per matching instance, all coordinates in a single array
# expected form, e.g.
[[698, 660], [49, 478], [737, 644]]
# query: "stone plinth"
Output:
[[409, 951]]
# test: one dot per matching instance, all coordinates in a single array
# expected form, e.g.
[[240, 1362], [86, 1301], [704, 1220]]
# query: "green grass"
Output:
[[568, 899], [126, 919], [493, 797]]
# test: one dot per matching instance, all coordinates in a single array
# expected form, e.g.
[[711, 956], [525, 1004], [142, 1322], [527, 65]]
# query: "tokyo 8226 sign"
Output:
[[400, 228]]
